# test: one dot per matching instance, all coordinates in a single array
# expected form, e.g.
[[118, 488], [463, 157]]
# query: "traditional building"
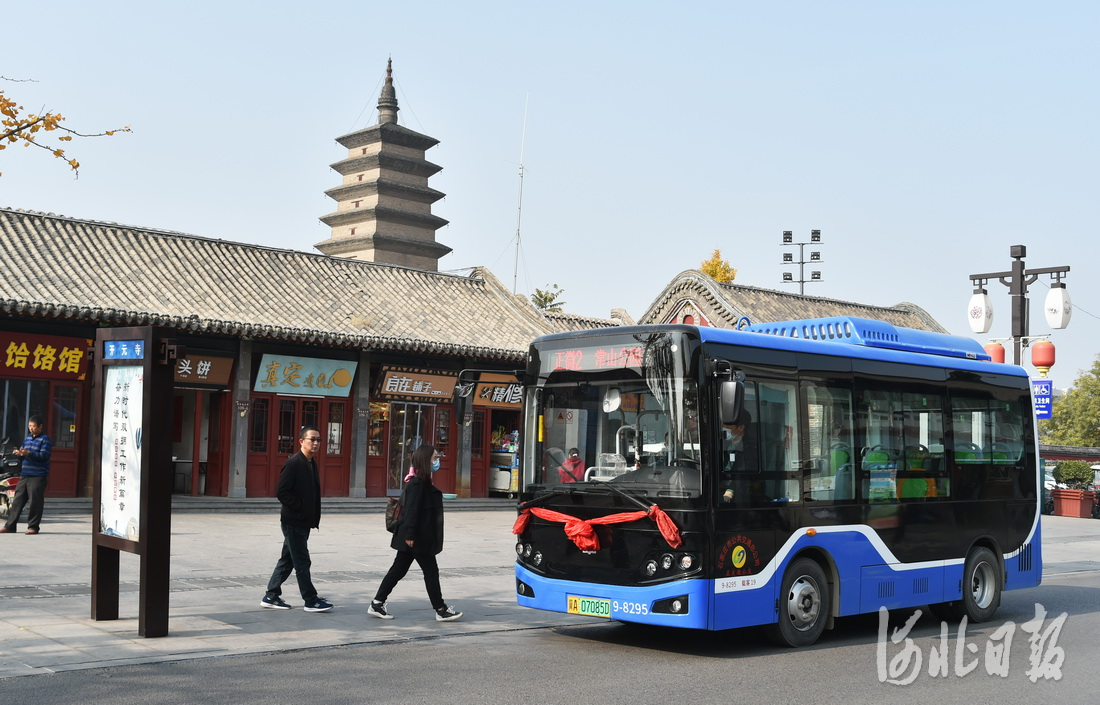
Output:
[[696, 299], [274, 339]]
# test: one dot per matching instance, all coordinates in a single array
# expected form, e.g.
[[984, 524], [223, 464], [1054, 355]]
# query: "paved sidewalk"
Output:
[[220, 566]]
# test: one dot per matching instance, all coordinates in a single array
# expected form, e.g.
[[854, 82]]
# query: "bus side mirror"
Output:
[[731, 397]]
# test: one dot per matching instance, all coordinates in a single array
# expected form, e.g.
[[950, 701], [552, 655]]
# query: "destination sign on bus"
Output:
[[596, 358]]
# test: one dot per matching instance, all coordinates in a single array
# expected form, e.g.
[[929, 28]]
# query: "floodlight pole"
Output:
[[815, 257]]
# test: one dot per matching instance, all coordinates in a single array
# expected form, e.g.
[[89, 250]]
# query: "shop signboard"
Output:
[[43, 356], [498, 392], [204, 371], [415, 384], [294, 374]]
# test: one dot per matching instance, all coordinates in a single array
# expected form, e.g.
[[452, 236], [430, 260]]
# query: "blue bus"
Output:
[[784, 474]]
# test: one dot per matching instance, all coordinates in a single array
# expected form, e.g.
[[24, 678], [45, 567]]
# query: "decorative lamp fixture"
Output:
[[788, 257], [788, 277], [1042, 356], [815, 276], [788, 237], [996, 351], [980, 312], [815, 236], [1058, 308]]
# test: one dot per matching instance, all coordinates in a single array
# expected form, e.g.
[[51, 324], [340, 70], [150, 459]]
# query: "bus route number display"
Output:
[[588, 606], [596, 358]]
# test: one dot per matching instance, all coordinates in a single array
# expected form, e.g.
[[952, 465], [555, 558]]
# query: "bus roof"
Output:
[[860, 337], [872, 333]]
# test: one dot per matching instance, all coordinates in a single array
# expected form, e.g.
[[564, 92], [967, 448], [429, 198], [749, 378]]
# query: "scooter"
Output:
[[11, 466]]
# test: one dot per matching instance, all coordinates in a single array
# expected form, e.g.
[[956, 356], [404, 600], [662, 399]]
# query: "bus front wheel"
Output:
[[803, 605], [981, 594]]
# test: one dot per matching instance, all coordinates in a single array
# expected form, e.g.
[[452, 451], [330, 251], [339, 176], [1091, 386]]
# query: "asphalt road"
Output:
[[613, 663]]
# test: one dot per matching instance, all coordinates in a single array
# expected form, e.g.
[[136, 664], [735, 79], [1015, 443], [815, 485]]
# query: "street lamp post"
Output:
[[1017, 279], [788, 258]]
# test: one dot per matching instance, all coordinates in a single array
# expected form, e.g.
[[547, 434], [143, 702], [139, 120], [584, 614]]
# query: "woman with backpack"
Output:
[[419, 537]]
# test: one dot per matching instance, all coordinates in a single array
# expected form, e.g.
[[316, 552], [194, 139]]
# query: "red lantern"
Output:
[[996, 351], [1042, 356]]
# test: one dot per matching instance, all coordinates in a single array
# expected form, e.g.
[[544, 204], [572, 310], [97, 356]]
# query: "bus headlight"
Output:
[[686, 561], [537, 559], [519, 549], [527, 550], [651, 568], [666, 561]]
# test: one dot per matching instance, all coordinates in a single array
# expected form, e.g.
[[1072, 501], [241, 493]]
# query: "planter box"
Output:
[[1072, 503]]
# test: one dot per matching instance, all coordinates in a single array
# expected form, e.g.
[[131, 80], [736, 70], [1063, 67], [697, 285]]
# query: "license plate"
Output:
[[589, 606]]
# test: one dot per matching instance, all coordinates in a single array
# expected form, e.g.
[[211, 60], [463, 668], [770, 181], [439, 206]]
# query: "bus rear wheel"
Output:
[[981, 595], [804, 605]]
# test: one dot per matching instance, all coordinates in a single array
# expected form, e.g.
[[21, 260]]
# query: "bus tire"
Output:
[[804, 605], [981, 594]]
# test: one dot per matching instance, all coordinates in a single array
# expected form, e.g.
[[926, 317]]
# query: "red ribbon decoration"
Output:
[[581, 533]]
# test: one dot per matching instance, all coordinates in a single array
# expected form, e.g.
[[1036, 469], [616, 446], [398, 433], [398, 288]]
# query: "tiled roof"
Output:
[[724, 304], [565, 322], [58, 267]]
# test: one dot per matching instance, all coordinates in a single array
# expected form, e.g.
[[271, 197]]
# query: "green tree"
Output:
[[33, 129], [718, 269], [1075, 417], [547, 299]]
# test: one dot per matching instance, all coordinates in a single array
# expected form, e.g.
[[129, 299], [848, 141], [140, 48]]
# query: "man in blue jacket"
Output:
[[299, 491], [31, 489]]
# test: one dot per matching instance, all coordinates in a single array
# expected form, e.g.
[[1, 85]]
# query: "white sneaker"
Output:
[[378, 609], [446, 614]]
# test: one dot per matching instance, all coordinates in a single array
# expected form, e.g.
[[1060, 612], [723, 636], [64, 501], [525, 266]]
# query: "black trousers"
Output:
[[30, 491], [295, 557], [401, 564]]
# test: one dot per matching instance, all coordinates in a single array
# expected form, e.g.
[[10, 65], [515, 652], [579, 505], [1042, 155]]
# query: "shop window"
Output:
[[311, 416], [22, 398], [257, 422], [288, 432], [335, 428], [376, 430], [63, 430], [477, 436]]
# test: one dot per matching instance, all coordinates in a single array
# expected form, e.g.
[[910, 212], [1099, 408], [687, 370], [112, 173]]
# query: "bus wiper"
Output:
[[546, 497], [631, 497]]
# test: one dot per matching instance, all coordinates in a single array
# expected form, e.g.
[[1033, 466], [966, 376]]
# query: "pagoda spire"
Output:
[[387, 101]]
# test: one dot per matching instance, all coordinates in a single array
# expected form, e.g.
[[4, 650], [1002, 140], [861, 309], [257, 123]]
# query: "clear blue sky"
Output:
[[922, 138]]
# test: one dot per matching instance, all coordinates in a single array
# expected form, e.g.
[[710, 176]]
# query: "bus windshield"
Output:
[[632, 421]]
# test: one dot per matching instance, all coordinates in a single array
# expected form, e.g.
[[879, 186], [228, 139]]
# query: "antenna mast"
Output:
[[519, 214]]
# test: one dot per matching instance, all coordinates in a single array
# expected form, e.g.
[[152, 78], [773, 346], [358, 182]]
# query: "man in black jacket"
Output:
[[299, 492]]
